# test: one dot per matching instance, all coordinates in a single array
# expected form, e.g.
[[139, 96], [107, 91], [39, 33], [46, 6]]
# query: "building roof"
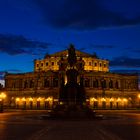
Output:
[[65, 53]]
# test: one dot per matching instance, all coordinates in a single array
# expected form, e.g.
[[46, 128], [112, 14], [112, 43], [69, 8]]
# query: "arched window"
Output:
[[103, 104], [38, 105], [31, 84], [46, 83], [87, 81], [55, 82], [25, 84], [110, 84], [95, 83], [14, 84], [116, 85], [103, 83]]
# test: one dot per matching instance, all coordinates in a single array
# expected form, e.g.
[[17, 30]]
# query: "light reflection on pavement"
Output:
[[27, 125]]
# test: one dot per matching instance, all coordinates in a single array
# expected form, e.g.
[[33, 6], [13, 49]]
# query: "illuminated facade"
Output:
[[41, 89], [52, 62]]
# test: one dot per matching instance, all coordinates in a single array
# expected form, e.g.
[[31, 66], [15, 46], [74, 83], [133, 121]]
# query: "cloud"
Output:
[[2, 82], [101, 46], [126, 71], [88, 14], [82, 48], [16, 44], [95, 46], [133, 49], [124, 61], [136, 51]]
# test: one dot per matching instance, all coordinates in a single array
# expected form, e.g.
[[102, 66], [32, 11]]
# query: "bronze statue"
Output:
[[71, 56]]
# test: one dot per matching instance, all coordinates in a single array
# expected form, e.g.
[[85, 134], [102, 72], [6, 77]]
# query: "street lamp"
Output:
[[2, 97]]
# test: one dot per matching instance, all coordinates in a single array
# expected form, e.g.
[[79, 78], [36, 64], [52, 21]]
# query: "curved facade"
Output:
[[41, 89]]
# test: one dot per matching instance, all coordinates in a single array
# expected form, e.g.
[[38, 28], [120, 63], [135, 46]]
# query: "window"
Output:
[[31, 84], [100, 64], [103, 84], [46, 63], [52, 63], [111, 104], [103, 104], [95, 83], [42, 64], [46, 83], [110, 84], [38, 105], [25, 84], [14, 85], [31, 104], [55, 82], [104, 65], [95, 64], [37, 65], [87, 81], [89, 63], [117, 85]]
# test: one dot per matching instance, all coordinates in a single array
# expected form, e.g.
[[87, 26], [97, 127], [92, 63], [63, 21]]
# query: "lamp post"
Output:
[[2, 97]]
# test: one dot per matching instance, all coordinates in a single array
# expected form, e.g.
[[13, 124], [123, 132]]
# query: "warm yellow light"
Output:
[[118, 100], [39, 99], [3, 95], [103, 99], [0, 99], [56, 100], [139, 96], [111, 100], [30, 99], [23, 99], [93, 99], [61, 103], [17, 99], [124, 99], [49, 99]]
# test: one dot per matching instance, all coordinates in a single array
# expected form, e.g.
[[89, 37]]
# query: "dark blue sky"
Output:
[[31, 28]]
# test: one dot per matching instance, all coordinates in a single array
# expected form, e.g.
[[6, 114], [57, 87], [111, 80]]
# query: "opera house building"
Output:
[[94, 85]]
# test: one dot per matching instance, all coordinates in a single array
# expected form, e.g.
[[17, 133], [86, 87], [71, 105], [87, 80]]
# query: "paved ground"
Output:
[[27, 125]]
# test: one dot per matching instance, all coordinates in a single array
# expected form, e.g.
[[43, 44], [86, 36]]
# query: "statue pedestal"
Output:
[[72, 112]]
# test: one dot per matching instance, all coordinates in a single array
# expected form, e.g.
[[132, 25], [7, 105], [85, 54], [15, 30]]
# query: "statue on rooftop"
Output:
[[71, 56]]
